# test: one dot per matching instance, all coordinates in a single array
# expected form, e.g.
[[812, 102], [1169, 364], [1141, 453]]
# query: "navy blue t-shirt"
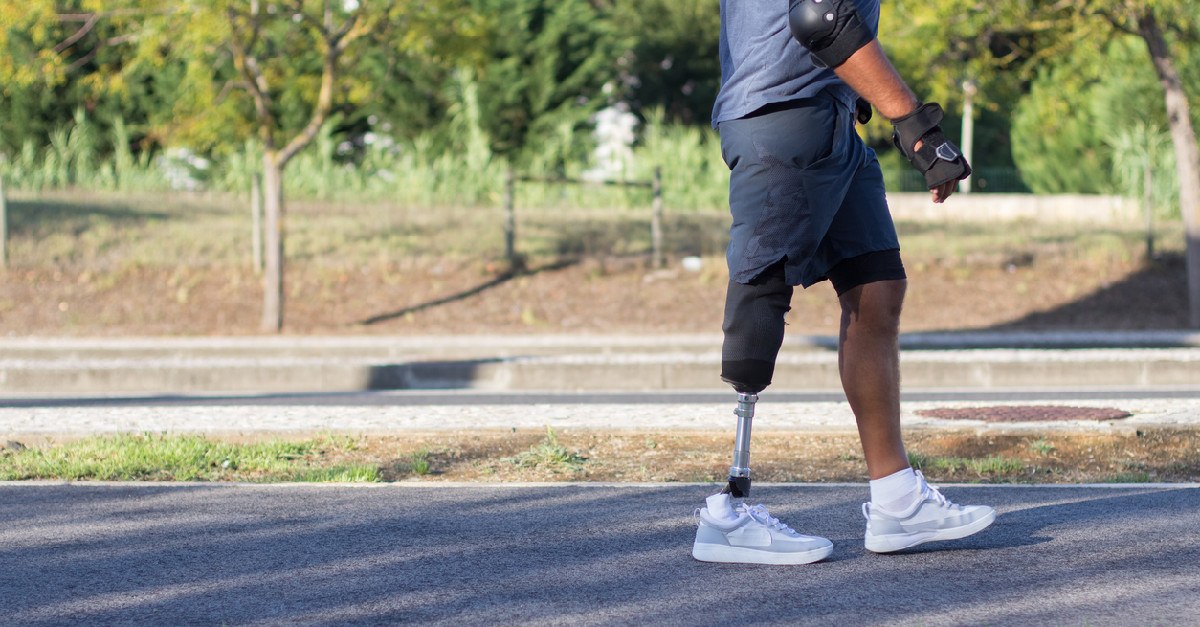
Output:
[[762, 64]]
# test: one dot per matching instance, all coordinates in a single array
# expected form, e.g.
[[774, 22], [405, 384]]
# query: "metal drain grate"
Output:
[[1029, 413]]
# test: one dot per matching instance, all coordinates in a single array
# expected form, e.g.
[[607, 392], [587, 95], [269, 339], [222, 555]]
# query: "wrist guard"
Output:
[[938, 159]]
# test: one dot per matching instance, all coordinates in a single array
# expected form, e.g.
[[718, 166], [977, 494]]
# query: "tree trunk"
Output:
[[1187, 153], [272, 313]]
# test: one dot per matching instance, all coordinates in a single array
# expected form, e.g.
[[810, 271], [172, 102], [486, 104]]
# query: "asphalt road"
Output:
[[211, 554]]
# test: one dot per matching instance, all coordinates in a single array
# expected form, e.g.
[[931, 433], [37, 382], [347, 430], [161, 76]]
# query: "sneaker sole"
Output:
[[743, 555], [901, 541]]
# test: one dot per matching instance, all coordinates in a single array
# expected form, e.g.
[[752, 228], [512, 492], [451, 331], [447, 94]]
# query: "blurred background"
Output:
[[517, 165]]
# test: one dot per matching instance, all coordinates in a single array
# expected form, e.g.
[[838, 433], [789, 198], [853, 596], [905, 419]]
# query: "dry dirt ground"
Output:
[[423, 296], [1155, 455]]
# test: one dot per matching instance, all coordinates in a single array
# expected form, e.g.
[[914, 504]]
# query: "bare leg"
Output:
[[869, 363]]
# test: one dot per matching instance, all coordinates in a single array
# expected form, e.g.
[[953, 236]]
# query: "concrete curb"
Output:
[[983, 368], [107, 366]]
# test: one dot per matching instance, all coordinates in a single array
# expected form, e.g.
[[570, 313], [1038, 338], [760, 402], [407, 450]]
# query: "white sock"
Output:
[[720, 508], [896, 492]]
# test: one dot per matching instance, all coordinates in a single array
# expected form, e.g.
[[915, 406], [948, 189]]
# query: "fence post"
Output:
[[510, 218], [1148, 204], [3, 226], [256, 210], [656, 234]]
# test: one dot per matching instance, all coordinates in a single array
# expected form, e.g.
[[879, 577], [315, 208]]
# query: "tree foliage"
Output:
[[544, 65], [1055, 79]]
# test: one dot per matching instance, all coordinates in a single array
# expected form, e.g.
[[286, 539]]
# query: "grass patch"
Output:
[[416, 463], [991, 465], [1130, 477], [1042, 447], [579, 455], [549, 455], [151, 457]]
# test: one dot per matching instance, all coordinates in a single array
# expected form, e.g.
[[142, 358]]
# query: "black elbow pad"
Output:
[[831, 29]]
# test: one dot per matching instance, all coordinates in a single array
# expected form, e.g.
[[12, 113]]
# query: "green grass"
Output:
[[418, 173], [1129, 477], [150, 457], [549, 455], [113, 235], [1042, 447], [418, 463], [992, 465]]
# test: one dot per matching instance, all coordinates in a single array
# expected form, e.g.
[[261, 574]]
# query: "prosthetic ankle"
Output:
[[739, 473]]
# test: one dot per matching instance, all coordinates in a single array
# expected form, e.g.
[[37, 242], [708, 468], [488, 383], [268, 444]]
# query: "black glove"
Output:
[[938, 159]]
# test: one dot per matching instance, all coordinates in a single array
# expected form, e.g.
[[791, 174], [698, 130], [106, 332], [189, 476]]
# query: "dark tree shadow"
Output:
[[33, 216], [1153, 298], [516, 272]]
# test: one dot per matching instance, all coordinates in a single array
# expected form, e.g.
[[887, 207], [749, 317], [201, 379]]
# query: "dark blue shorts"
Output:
[[803, 188]]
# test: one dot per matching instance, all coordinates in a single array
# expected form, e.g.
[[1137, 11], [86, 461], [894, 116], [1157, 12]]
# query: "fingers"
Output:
[[943, 191]]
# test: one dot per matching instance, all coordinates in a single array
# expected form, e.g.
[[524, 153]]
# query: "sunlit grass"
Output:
[[990, 466], [111, 234], [149, 457], [549, 455]]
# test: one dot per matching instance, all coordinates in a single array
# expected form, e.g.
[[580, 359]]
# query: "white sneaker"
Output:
[[930, 519], [754, 537]]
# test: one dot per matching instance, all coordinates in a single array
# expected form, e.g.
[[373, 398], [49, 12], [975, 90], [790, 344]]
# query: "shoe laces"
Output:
[[930, 492], [759, 513]]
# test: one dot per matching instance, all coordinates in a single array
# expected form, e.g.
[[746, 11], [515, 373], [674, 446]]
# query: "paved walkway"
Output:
[[76, 386], [455, 414], [206, 554]]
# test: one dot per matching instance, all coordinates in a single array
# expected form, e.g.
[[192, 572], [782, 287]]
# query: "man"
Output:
[[807, 202]]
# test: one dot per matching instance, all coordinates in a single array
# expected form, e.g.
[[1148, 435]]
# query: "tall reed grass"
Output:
[[423, 172], [454, 166]]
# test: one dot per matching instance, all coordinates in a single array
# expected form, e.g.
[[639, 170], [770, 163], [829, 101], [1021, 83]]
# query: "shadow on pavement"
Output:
[[573, 554]]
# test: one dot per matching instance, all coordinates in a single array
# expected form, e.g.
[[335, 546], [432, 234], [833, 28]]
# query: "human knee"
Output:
[[876, 306]]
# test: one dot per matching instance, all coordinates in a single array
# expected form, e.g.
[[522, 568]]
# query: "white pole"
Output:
[[968, 130]]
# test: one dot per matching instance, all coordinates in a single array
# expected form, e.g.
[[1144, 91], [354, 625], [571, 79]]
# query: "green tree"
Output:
[[1064, 129], [1023, 35], [940, 46], [671, 60], [54, 70], [544, 66], [1165, 27], [240, 68]]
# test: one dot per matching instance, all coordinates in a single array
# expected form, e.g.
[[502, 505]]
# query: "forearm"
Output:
[[869, 73], [837, 37]]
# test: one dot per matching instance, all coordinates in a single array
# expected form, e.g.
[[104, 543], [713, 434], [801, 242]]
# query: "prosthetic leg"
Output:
[[753, 327], [739, 473]]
